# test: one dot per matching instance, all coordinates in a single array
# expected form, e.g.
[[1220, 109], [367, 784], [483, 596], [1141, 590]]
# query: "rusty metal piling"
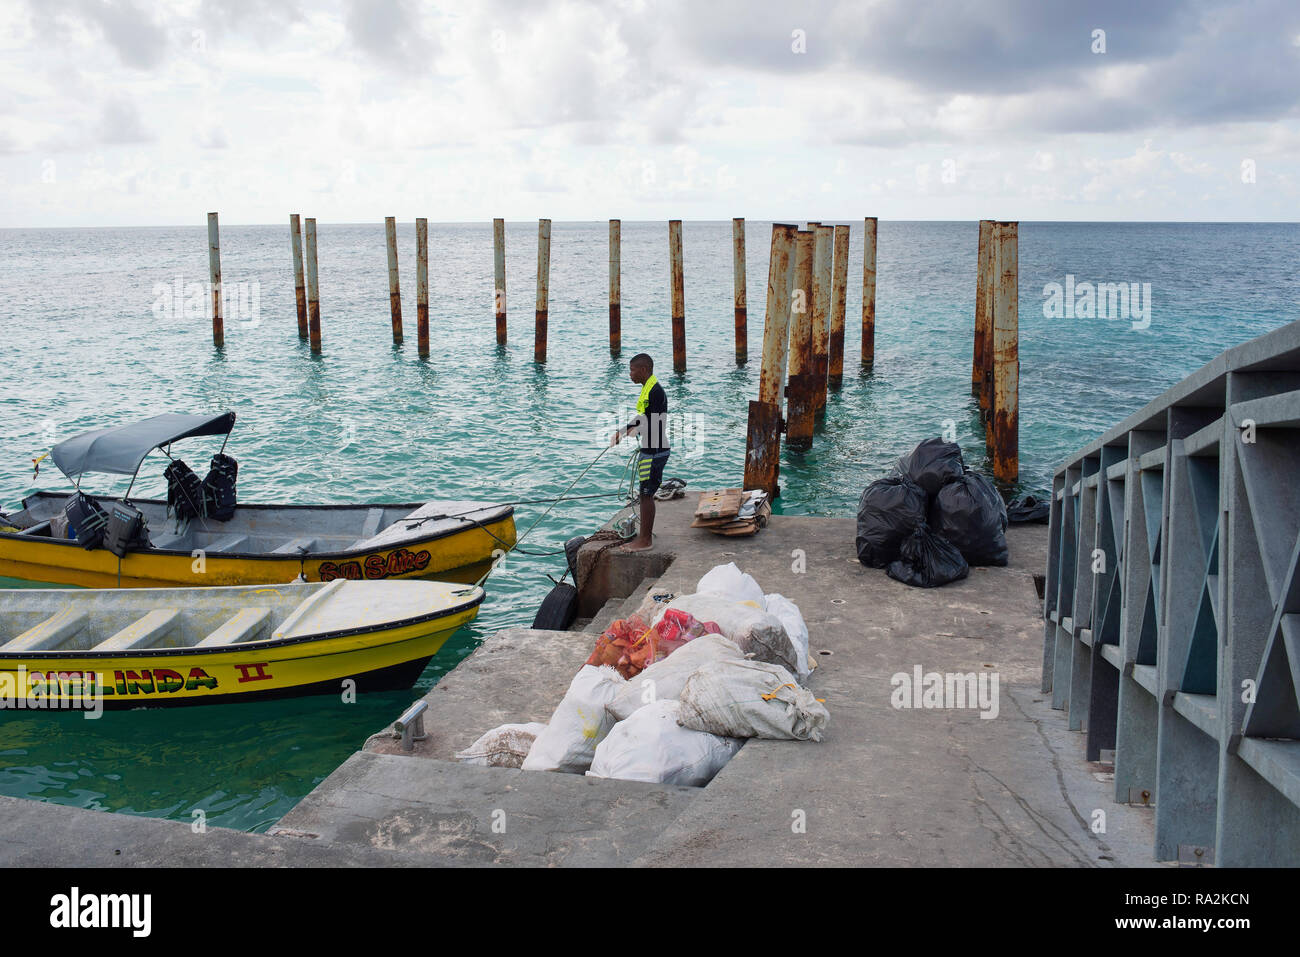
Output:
[[823, 246], [763, 433], [839, 308], [800, 391], [869, 291], [422, 286], [678, 294], [299, 287], [214, 281], [1005, 401], [615, 287], [499, 272], [313, 287], [738, 269], [543, 289], [394, 288]]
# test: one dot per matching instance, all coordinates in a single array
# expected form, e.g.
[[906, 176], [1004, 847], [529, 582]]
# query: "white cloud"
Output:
[[158, 112]]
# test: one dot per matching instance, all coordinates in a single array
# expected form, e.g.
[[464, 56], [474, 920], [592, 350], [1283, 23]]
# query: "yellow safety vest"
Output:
[[643, 402]]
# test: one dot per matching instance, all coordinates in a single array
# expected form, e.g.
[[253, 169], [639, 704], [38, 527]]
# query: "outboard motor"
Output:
[[185, 498], [86, 520], [126, 529], [219, 487]]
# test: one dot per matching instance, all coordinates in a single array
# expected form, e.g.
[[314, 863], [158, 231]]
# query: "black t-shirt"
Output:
[[652, 428]]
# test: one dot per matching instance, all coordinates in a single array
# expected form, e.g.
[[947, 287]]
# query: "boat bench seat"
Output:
[[227, 543], [50, 633], [370, 528], [171, 540], [143, 632], [295, 546], [240, 627]]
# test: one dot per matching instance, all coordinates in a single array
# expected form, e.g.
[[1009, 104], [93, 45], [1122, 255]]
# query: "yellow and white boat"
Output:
[[251, 543], [170, 646]]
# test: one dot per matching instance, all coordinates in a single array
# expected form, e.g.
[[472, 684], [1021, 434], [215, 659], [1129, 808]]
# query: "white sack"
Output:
[[730, 582], [663, 680], [727, 698], [503, 747], [758, 634], [579, 723], [787, 612], [651, 746]]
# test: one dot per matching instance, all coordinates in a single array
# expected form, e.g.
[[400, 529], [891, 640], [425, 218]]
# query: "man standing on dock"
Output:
[[651, 425]]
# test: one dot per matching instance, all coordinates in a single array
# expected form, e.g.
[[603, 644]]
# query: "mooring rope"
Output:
[[560, 498]]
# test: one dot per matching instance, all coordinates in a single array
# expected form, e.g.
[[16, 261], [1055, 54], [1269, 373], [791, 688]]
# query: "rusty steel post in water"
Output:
[[394, 288], [823, 256], [615, 287], [214, 280], [800, 392], [299, 289], [869, 291], [422, 286], [763, 434], [499, 272], [678, 294], [776, 323], [543, 289], [313, 287], [1006, 355], [983, 308], [738, 270], [839, 308]]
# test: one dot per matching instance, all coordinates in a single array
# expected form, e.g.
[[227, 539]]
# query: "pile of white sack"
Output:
[[682, 718]]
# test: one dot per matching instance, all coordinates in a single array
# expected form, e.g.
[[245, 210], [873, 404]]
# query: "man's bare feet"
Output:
[[637, 545]]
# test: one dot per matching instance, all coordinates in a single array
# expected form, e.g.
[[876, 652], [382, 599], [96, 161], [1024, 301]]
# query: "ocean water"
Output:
[[93, 334]]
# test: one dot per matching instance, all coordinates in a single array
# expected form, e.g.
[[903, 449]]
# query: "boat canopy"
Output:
[[121, 449]]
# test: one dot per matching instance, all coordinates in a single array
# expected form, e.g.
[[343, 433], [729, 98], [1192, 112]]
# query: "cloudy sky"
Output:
[[127, 112]]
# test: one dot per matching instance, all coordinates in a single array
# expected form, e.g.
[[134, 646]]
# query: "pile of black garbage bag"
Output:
[[931, 518]]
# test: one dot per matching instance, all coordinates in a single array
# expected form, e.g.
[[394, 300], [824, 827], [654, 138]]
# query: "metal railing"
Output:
[[1172, 606]]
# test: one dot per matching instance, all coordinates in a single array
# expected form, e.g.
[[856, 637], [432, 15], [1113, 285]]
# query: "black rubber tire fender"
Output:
[[558, 609]]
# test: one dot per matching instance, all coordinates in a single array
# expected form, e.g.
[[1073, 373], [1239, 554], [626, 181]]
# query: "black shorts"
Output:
[[650, 471]]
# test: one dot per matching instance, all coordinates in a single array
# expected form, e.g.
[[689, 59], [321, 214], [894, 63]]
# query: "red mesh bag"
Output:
[[630, 646]]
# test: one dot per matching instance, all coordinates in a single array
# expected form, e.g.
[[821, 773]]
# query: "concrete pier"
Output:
[[887, 786]]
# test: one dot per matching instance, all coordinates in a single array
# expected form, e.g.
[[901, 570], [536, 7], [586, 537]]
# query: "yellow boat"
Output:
[[154, 647], [170, 545]]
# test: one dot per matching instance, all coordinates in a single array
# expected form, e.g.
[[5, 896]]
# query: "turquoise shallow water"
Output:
[[88, 342]]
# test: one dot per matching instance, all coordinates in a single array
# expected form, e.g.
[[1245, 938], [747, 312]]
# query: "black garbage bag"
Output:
[[928, 561], [889, 510], [970, 513], [932, 464], [1028, 508]]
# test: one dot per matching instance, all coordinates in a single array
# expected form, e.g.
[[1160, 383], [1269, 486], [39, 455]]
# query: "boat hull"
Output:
[[462, 555], [386, 658]]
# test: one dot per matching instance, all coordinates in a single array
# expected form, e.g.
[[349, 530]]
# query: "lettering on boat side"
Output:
[[399, 562], [259, 675], [73, 690], [159, 680], [125, 682]]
